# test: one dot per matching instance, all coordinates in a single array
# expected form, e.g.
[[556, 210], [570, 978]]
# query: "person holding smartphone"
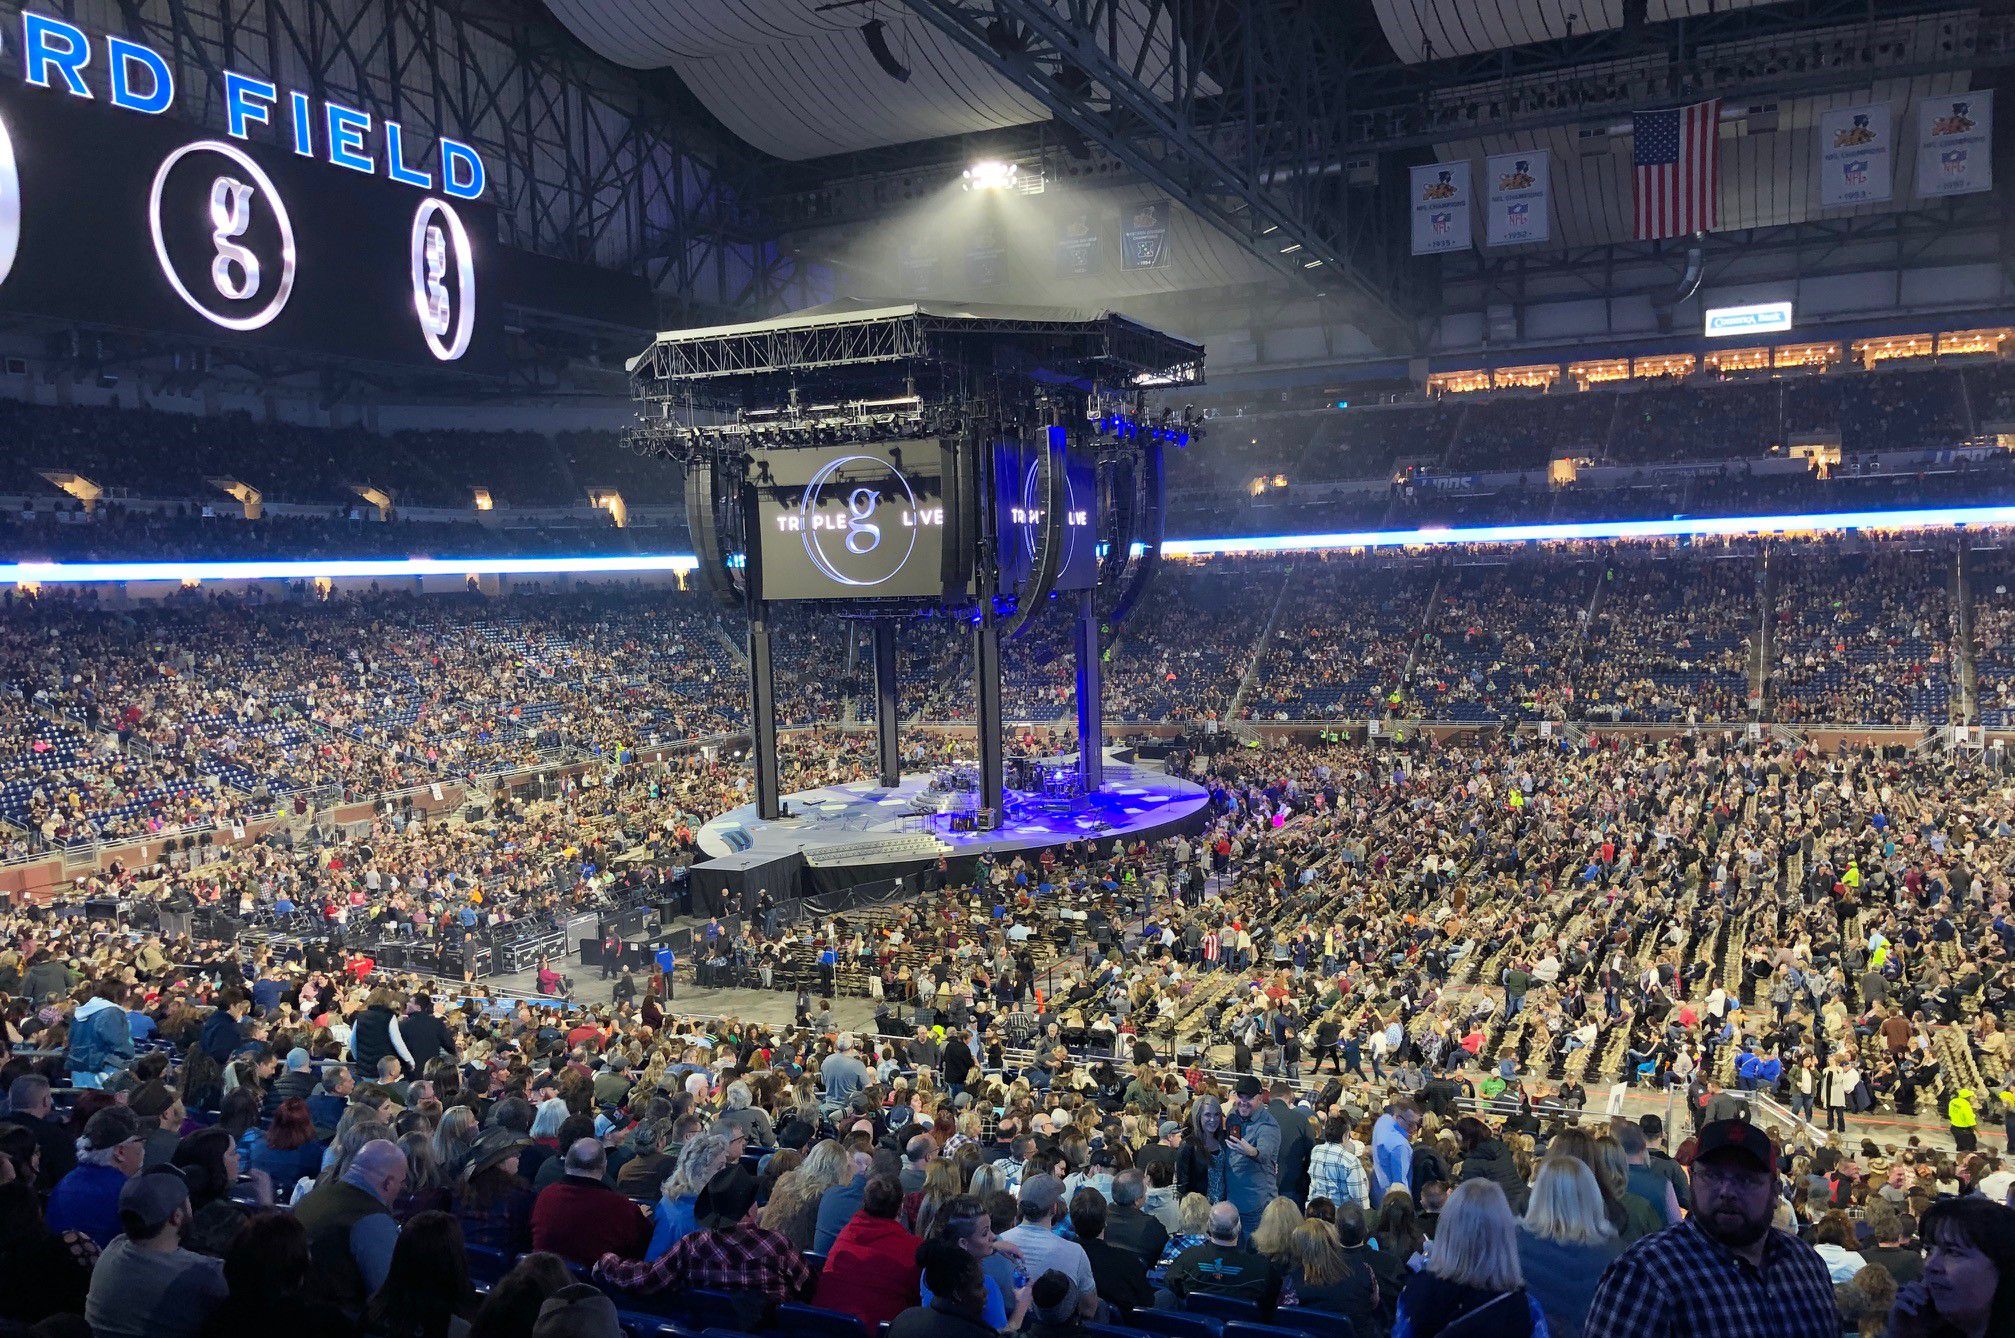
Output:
[[1251, 1155]]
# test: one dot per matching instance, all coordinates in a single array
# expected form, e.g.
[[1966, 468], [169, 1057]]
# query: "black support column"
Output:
[[1090, 695], [887, 745], [986, 629], [763, 713]]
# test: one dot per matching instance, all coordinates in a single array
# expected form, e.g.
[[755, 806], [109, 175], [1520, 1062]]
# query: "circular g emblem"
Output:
[[444, 279], [10, 205], [852, 515], [222, 234]]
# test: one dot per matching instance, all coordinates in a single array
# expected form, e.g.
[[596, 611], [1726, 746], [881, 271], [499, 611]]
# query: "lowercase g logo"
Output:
[[858, 518]]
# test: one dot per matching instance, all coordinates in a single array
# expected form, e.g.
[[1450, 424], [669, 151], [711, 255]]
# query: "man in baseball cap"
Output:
[[146, 1283], [1723, 1272]]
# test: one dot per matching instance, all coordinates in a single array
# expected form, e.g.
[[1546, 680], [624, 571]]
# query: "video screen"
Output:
[[1018, 488], [148, 223], [864, 520]]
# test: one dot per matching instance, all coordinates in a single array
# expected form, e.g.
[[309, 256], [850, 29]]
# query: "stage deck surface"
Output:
[[861, 823]]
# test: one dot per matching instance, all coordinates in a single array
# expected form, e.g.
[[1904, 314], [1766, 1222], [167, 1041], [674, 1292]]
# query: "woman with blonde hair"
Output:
[[1274, 1236], [701, 1158], [1631, 1215], [1472, 1283], [942, 1184], [1565, 1241], [793, 1209]]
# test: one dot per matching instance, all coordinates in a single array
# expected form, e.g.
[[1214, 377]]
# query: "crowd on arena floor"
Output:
[[1329, 1055], [130, 720]]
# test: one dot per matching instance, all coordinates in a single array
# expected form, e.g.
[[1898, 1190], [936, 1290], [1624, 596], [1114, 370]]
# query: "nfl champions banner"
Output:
[[1854, 155], [1955, 145], [1517, 204], [1441, 208]]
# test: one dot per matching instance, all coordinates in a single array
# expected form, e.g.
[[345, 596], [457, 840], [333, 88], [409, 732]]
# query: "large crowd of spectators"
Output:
[[1329, 1056], [202, 710]]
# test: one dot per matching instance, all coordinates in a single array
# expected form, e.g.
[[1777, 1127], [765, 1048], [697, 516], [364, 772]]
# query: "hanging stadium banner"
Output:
[[1076, 244], [919, 262], [1143, 239], [1955, 145], [1441, 208], [984, 257], [1854, 162], [1519, 207]]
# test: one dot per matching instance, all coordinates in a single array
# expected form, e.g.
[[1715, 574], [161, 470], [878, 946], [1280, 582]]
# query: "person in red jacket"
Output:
[[871, 1271], [580, 1218]]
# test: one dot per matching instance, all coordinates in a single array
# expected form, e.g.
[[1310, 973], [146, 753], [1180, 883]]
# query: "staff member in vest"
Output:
[[350, 1228]]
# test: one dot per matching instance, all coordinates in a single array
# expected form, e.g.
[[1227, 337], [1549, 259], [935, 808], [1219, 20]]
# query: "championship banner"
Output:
[[1519, 207], [1076, 244], [919, 263], [1854, 161], [1955, 145], [1441, 208], [1143, 239], [984, 258]]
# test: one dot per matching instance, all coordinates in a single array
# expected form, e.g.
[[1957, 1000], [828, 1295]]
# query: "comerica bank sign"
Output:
[[55, 54], [1761, 318]]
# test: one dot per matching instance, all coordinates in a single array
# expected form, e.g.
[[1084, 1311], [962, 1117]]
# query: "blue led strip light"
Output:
[[1923, 518]]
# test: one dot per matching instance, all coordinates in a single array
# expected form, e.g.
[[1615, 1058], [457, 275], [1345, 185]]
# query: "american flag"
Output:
[[1678, 166]]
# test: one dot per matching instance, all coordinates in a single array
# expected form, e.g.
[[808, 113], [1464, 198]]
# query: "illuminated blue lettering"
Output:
[[462, 174], [301, 114], [246, 100], [395, 159], [346, 130], [124, 55], [48, 44]]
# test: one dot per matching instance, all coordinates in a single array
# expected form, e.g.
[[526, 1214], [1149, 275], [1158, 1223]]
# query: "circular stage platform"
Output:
[[862, 825]]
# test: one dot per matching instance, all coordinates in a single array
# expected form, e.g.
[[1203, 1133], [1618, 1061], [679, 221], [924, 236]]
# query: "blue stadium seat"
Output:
[[1174, 1325], [1241, 1329], [1225, 1307], [816, 1322], [1112, 1331], [1315, 1323], [487, 1264]]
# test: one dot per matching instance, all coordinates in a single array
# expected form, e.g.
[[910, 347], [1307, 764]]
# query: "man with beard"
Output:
[[1723, 1272]]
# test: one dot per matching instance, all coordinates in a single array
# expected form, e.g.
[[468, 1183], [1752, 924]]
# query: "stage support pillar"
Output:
[[987, 692], [1090, 695], [887, 745], [763, 714]]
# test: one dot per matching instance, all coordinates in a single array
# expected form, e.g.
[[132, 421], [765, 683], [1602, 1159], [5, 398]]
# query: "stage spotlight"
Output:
[[990, 174], [875, 33]]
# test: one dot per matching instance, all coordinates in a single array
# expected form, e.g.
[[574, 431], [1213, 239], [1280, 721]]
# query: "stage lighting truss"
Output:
[[901, 418]]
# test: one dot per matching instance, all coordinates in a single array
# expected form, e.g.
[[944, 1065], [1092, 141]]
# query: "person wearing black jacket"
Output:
[[426, 1036], [1485, 1157], [955, 1062], [1120, 1274], [371, 1033]]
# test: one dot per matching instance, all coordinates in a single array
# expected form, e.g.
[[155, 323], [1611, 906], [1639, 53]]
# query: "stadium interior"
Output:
[[1378, 636]]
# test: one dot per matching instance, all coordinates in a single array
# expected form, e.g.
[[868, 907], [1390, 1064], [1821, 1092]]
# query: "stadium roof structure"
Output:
[[840, 341]]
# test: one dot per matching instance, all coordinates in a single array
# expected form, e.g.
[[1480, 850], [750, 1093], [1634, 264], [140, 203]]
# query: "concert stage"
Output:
[[843, 836]]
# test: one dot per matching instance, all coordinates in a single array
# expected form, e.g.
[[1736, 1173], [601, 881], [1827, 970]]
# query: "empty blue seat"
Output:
[[1315, 1323], [817, 1322], [1176, 1325], [1242, 1329], [1225, 1307]]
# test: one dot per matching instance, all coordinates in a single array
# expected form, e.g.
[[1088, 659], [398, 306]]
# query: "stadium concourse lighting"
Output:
[[75, 573], [991, 174], [1822, 522]]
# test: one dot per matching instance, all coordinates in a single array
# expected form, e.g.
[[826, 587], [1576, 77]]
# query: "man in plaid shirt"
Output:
[[1724, 1272], [728, 1253], [1334, 1171]]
